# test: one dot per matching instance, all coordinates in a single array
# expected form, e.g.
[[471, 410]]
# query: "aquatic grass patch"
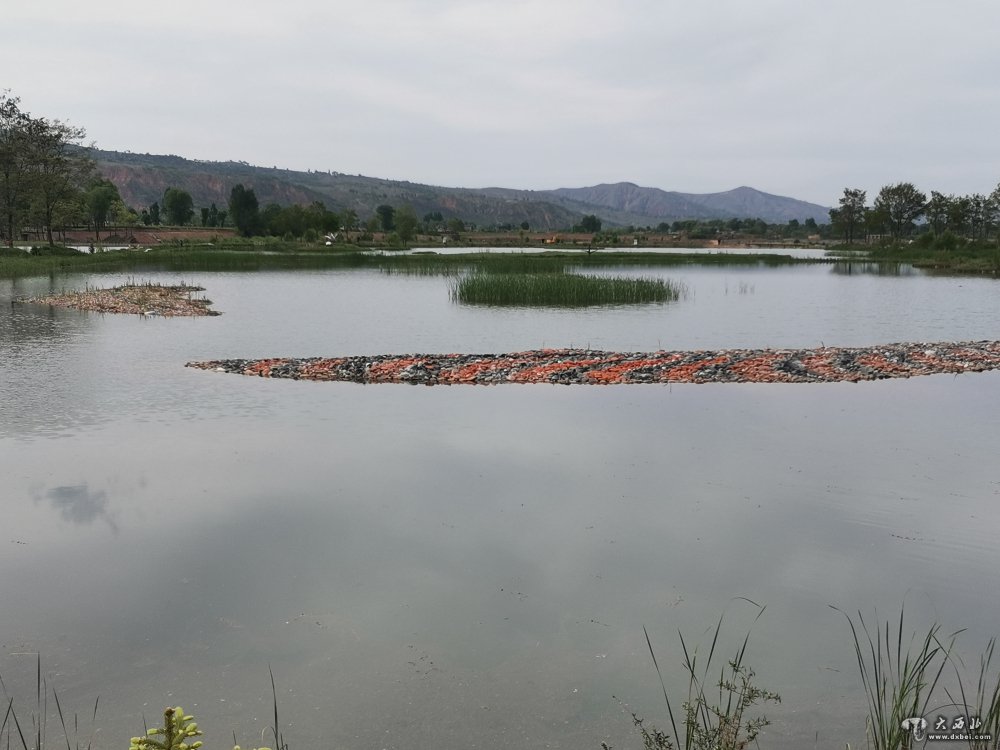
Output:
[[902, 678], [561, 290], [432, 264], [716, 714], [984, 704], [898, 677]]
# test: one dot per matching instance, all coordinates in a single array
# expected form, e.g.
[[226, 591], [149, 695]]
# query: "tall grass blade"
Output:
[[93, 723], [13, 715], [61, 719], [656, 664], [278, 738], [6, 718]]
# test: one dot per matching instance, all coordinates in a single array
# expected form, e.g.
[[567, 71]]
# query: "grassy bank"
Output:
[[946, 252], [241, 256]]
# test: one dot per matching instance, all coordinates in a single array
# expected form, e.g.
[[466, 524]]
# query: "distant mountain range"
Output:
[[142, 178]]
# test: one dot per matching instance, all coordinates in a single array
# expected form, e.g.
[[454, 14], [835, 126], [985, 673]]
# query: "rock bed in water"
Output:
[[134, 299], [587, 366]]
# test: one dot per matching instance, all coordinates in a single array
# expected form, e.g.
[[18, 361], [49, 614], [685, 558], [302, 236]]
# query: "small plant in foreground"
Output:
[[712, 722], [177, 729]]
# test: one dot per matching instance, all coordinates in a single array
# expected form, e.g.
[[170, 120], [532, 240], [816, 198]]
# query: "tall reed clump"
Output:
[[985, 704], [37, 724], [560, 290], [711, 720], [898, 679]]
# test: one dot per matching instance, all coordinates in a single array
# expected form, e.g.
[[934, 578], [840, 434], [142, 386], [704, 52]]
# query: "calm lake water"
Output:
[[473, 566]]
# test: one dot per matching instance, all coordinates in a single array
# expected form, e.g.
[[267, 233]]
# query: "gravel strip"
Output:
[[592, 367]]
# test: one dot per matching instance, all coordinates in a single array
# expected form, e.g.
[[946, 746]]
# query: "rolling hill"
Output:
[[142, 178]]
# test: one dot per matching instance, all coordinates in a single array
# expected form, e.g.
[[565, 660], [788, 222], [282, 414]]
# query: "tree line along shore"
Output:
[[51, 193]]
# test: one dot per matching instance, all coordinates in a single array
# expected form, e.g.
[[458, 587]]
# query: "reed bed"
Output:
[[431, 264], [561, 290]]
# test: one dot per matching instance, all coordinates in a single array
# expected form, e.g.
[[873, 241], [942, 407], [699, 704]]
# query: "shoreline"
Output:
[[594, 367]]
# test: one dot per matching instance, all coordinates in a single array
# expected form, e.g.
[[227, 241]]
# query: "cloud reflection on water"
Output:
[[80, 505]]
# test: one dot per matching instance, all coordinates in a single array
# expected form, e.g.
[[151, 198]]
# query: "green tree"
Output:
[[350, 219], [406, 222], [959, 214], [590, 223], [244, 210], [320, 219], [982, 215], [154, 214], [69, 212], [15, 162], [122, 216], [60, 170], [178, 206], [41, 168], [851, 214], [386, 215], [99, 199], [937, 211], [902, 204], [272, 221]]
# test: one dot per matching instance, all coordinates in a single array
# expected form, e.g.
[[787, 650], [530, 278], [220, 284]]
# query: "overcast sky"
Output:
[[794, 97]]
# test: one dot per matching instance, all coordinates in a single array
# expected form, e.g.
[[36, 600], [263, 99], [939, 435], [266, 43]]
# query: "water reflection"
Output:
[[853, 268], [447, 563], [78, 504]]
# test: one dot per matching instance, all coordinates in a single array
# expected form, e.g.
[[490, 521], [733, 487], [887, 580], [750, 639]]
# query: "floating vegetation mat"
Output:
[[134, 299], [587, 366]]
